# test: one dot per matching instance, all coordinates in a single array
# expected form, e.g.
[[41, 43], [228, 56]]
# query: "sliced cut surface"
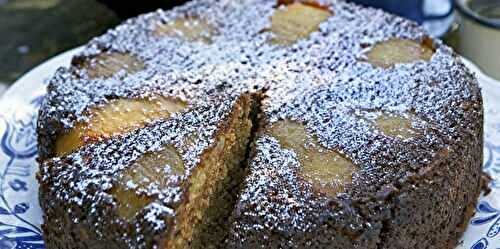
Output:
[[115, 117], [108, 64], [212, 187], [296, 21], [326, 170], [149, 174], [399, 51], [188, 28]]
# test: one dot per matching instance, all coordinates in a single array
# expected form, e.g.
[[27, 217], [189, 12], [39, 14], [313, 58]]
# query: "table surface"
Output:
[[35, 30]]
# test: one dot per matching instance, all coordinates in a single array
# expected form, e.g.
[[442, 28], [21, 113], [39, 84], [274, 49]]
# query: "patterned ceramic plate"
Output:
[[20, 214]]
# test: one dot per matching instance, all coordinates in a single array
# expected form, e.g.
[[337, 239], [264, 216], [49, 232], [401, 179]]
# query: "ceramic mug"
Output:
[[479, 33], [411, 9]]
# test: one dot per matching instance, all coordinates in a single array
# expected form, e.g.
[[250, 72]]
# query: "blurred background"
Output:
[[34, 30]]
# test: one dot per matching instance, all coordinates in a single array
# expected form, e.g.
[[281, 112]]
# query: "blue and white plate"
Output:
[[20, 214]]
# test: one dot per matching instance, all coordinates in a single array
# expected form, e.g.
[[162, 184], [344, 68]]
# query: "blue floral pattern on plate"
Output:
[[20, 214], [18, 147]]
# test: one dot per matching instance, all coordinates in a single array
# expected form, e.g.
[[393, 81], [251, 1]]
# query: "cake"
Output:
[[261, 124]]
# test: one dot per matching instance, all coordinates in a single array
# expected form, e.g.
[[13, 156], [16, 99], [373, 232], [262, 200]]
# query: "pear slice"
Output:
[[394, 125], [326, 170], [296, 21], [190, 29], [152, 170], [399, 51], [117, 116], [397, 125], [108, 64]]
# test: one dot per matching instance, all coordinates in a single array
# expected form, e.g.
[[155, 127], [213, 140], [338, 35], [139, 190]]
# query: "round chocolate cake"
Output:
[[261, 124]]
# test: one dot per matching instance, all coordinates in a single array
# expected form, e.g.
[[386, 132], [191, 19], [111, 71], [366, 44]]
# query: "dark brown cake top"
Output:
[[323, 81]]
